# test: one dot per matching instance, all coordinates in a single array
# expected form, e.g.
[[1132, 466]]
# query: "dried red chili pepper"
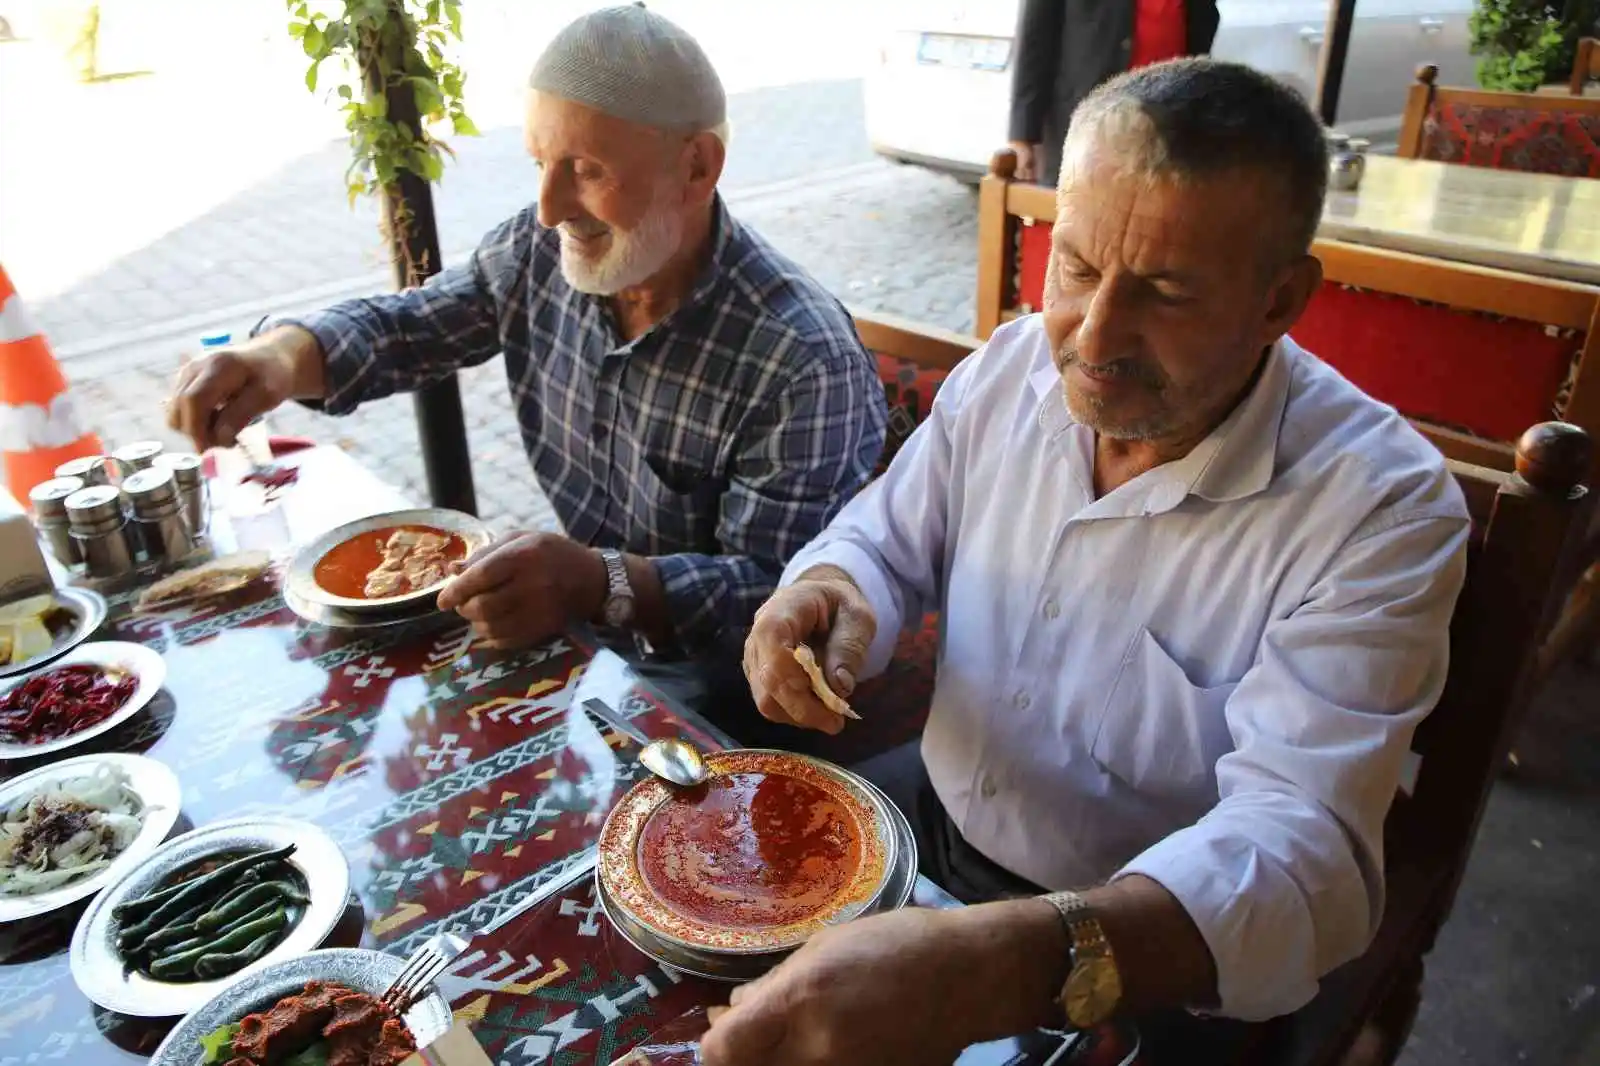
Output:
[[62, 701]]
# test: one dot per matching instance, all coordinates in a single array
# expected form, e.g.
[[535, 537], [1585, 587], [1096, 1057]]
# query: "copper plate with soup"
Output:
[[387, 562], [774, 847]]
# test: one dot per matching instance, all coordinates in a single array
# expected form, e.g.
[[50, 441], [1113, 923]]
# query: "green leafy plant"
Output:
[[367, 50], [1524, 44]]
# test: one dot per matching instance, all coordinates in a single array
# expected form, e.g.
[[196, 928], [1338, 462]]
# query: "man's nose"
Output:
[[556, 201]]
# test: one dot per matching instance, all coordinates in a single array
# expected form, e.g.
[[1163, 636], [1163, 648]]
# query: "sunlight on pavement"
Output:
[[120, 164]]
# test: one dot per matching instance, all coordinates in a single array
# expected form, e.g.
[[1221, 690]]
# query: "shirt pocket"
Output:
[[1161, 733], [673, 509]]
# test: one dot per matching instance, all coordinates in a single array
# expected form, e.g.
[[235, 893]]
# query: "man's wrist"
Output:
[[300, 358], [1019, 952], [827, 574]]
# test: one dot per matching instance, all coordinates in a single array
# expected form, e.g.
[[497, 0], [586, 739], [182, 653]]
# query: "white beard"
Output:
[[628, 257]]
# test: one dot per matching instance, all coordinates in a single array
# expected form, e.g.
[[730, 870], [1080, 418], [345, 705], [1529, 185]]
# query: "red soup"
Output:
[[750, 851], [407, 557]]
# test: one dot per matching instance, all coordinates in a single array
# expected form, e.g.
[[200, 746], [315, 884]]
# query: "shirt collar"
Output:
[[1235, 460]]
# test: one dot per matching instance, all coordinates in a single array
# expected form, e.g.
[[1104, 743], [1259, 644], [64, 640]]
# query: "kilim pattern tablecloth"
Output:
[[456, 780]]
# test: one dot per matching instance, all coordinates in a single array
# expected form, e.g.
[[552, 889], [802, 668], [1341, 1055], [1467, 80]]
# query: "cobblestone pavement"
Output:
[[883, 237]]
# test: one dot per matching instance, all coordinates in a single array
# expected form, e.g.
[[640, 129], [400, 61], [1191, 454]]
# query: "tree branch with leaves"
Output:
[[390, 63]]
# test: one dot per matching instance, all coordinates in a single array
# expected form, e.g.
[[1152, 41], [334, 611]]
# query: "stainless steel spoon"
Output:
[[675, 761]]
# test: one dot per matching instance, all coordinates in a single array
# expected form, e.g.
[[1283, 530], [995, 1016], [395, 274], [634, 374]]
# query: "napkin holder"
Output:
[[23, 570], [457, 1047]]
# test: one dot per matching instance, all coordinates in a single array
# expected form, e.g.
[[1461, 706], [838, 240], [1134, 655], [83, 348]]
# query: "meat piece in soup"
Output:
[[392, 561]]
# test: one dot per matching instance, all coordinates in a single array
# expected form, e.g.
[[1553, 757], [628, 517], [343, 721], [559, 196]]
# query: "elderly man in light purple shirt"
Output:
[[1195, 592]]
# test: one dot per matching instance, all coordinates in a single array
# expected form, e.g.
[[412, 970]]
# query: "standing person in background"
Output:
[[1067, 47]]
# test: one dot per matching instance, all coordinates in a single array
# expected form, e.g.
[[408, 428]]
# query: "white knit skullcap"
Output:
[[633, 64]]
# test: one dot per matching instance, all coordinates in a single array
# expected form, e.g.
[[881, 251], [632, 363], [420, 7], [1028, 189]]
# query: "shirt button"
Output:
[[1052, 610], [1023, 700], [988, 788], [1127, 44]]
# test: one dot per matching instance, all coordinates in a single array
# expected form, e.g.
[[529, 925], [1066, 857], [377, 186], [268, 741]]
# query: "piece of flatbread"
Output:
[[216, 578], [819, 684]]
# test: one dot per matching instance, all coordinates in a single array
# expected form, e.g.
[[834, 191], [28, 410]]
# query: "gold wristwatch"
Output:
[[1094, 984]]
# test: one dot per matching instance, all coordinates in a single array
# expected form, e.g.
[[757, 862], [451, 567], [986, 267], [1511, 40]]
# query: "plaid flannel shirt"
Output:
[[719, 442]]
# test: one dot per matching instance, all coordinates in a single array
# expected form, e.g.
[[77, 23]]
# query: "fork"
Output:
[[440, 951], [425, 965]]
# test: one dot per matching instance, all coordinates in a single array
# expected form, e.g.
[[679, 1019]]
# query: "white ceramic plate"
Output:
[[136, 659], [152, 782], [301, 576], [355, 968], [97, 965]]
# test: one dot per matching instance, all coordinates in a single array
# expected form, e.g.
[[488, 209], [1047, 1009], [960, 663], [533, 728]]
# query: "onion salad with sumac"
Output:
[[63, 701]]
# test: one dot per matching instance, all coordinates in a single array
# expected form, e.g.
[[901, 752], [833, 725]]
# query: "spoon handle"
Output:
[[603, 711]]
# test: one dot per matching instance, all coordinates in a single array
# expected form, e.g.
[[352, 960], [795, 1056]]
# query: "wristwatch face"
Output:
[[1092, 991], [619, 611]]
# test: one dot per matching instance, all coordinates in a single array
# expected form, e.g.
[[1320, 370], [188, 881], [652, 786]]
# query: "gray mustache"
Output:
[[1130, 369]]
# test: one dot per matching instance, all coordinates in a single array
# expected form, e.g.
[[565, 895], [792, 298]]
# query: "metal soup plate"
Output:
[[302, 580], [619, 870]]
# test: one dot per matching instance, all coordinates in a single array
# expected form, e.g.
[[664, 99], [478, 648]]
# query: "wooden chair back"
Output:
[[1585, 65], [1528, 529], [1535, 132], [1472, 355]]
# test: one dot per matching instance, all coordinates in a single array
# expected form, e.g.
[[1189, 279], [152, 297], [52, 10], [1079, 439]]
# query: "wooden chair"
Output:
[[1528, 528], [1533, 132], [1469, 354], [1585, 65]]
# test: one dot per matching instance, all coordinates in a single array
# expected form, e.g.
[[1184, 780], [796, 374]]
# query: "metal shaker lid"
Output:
[[91, 468], [49, 498], [95, 505], [151, 488], [187, 468], [139, 454]]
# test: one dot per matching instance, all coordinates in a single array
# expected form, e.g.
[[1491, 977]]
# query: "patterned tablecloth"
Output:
[[457, 781]]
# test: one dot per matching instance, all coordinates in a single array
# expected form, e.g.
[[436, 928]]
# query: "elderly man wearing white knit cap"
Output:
[[695, 405]]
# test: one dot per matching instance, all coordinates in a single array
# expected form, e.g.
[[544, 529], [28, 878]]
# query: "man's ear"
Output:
[[1292, 291], [706, 155]]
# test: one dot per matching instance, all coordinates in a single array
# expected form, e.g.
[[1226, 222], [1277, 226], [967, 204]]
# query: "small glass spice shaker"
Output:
[[158, 514], [49, 502], [100, 529]]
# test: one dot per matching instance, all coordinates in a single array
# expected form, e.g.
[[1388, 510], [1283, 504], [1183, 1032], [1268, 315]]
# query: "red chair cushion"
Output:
[[893, 706], [909, 390], [1488, 375], [1513, 138], [1033, 256]]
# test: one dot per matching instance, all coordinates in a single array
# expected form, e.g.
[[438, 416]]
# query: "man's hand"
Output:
[[1027, 160], [216, 396], [527, 588], [826, 603], [887, 990]]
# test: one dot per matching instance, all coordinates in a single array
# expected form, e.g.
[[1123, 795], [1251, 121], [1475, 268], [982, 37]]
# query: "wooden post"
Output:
[[1335, 47], [413, 234]]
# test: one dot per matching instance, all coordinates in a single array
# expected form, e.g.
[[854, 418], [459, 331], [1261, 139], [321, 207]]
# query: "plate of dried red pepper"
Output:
[[85, 693]]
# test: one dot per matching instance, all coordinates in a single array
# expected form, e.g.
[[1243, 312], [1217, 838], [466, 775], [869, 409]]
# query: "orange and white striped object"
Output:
[[39, 427]]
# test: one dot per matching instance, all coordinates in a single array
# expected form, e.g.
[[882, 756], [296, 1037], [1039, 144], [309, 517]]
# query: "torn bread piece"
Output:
[[215, 578], [819, 684]]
